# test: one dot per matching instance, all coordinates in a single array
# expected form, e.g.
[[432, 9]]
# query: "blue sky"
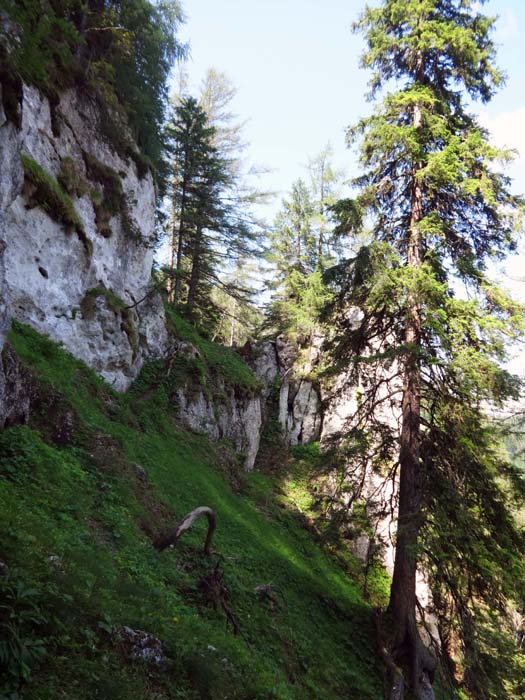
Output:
[[295, 64]]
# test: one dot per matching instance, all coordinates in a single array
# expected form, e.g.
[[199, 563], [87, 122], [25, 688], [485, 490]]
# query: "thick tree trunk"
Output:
[[407, 648]]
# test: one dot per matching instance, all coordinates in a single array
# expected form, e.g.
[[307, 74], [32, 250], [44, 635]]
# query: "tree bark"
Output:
[[321, 222], [180, 242], [195, 271]]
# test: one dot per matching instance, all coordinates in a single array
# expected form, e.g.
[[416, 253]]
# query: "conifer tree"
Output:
[[192, 155], [293, 242], [209, 224], [324, 184], [434, 327]]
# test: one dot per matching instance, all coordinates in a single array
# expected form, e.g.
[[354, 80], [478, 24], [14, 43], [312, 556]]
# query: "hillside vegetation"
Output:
[[87, 486]]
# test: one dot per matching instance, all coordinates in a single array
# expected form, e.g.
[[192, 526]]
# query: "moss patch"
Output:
[[113, 201], [71, 178], [218, 360], [42, 190]]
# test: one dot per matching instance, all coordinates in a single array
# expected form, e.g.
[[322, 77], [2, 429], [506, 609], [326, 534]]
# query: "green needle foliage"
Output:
[[432, 335], [302, 245], [209, 223], [120, 53]]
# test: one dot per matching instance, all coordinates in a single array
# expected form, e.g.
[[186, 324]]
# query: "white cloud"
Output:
[[507, 129]]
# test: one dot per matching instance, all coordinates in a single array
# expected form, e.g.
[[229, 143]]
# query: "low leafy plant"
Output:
[[22, 645]]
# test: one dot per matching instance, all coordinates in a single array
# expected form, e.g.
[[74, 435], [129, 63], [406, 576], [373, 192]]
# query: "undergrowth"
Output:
[[217, 359], [76, 529]]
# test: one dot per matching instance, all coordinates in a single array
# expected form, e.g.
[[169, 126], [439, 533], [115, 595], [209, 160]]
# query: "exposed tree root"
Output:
[[217, 595], [171, 538], [214, 592], [396, 679], [414, 655]]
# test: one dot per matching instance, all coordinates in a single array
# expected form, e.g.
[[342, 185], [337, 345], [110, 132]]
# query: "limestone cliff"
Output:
[[77, 279], [229, 412], [76, 232]]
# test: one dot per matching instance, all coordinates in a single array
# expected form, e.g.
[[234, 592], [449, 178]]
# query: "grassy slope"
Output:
[[76, 524]]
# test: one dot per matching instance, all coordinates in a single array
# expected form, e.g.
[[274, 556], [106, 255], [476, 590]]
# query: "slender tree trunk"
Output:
[[232, 324], [407, 646], [173, 248], [195, 271], [180, 243], [321, 223]]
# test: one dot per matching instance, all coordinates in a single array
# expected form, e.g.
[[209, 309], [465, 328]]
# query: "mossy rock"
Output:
[[112, 200], [42, 190], [118, 306], [71, 178]]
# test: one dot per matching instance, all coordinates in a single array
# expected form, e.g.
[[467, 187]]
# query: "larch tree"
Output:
[[216, 95], [433, 329], [325, 182]]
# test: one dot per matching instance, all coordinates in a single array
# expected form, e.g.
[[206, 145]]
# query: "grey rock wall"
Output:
[[300, 412], [46, 272], [240, 417]]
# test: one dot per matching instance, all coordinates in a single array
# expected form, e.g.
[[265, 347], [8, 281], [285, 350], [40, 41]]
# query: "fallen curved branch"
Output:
[[171, 538]]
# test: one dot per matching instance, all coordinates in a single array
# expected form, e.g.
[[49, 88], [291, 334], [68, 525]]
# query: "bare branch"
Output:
[[172, 537]]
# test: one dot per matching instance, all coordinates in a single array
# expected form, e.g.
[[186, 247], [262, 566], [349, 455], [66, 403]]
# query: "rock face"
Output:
[[230, 413], [234, 418], [141, 646], [15, 390], [300, 415], [75, 288], [227, 413]]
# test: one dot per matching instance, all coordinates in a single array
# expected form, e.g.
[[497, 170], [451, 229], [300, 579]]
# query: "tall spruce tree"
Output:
[[434, 329], [193, 160], [209, 224]]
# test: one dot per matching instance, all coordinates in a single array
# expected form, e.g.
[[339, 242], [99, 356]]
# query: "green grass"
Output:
[[114, 302], [76, 526], [49, 195], [218, 360]]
